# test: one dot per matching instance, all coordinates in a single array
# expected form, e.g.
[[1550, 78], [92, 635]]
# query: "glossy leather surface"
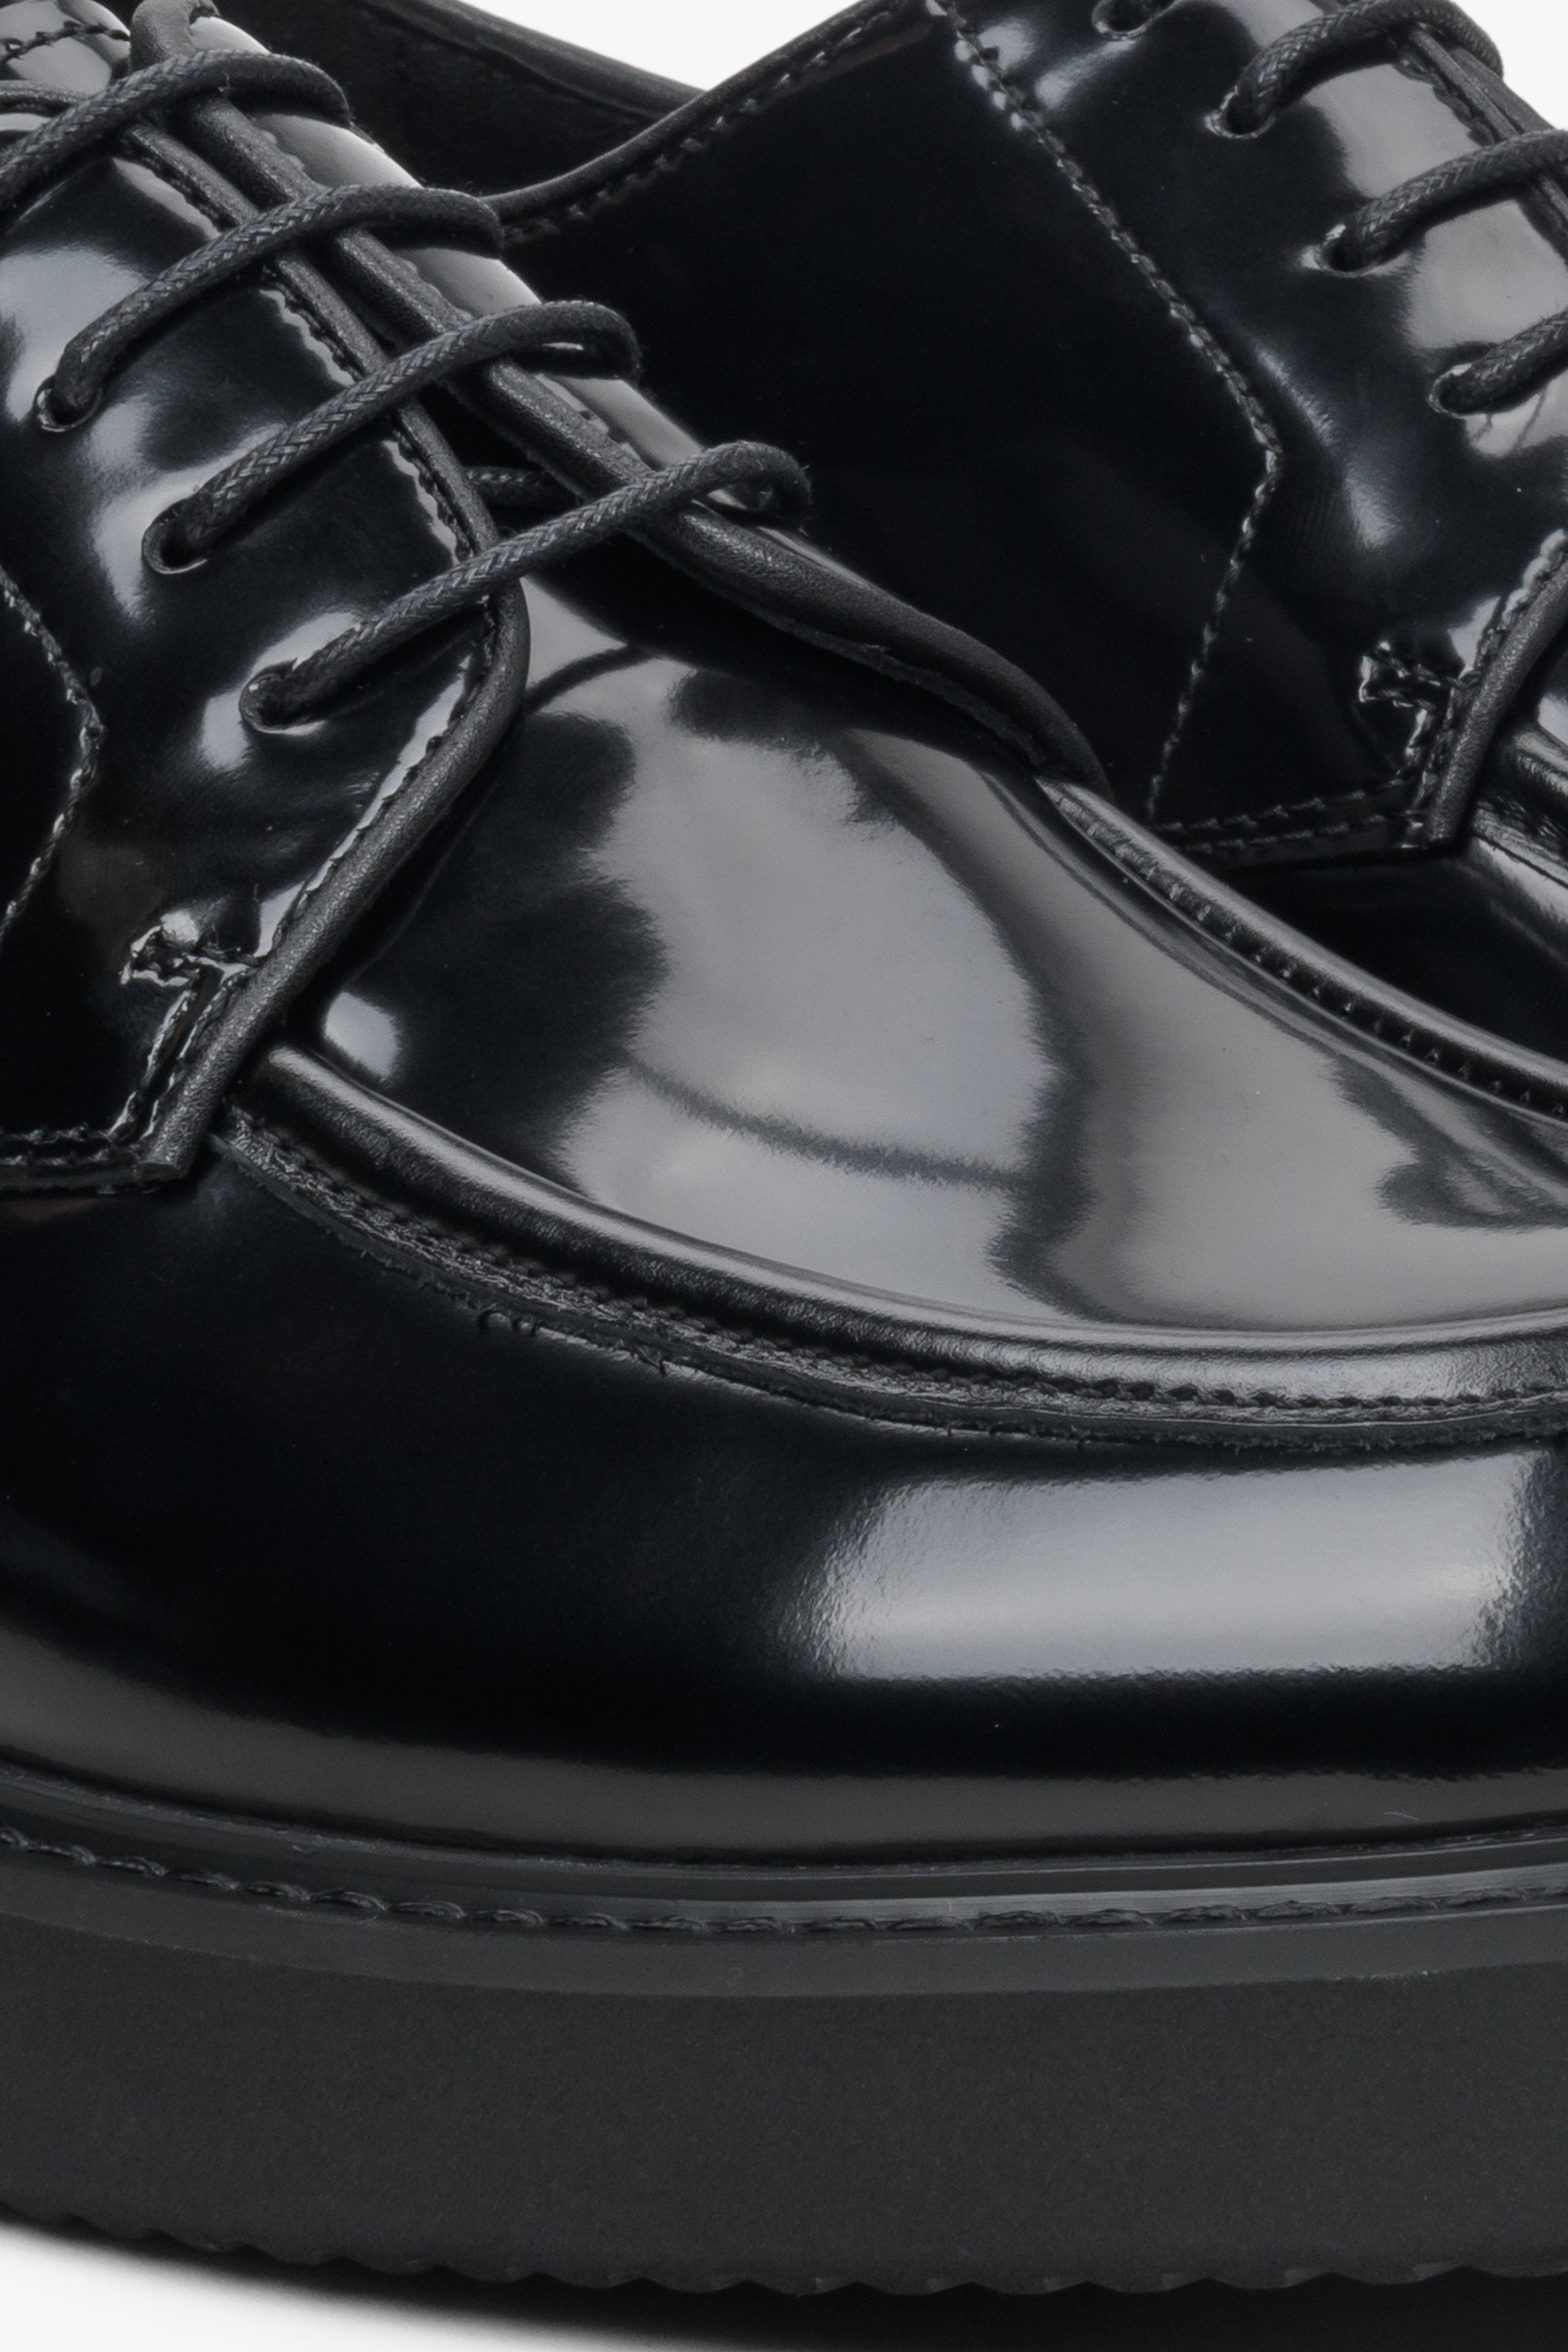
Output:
[[177, 871], [1173, 380], [777, 975], [1069, 367], [799, 1288], [761, 958], [166, 862], [656, 1614]]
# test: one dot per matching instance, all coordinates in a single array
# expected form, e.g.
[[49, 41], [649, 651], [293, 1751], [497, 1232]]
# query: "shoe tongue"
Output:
[[69, 44], [1197, 488]]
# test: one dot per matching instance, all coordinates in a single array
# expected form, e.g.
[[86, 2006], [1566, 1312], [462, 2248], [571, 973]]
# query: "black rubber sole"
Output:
[[1021, 2079]]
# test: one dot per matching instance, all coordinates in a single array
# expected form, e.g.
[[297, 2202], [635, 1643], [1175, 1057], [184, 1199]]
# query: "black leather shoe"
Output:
[[770, 1508], [1210, 363]]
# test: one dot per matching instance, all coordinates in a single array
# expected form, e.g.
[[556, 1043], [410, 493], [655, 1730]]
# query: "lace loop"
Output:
[[1333, 42], [568, 338], [1381, 227], [279, 698], [90, 358], [1498, 377], [82, 124], [572, 339], [1283, 71]]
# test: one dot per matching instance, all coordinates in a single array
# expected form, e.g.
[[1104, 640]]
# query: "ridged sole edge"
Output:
[[909, 2114]]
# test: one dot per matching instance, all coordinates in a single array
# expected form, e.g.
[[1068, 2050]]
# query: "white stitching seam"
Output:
[[1271, 1909], [157, 1081], [662, 161], [695, 142], [1023, 111], [881, 1384], [90, 747]]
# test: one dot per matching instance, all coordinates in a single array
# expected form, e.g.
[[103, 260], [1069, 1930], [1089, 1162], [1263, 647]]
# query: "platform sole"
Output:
[[1252, 2070]]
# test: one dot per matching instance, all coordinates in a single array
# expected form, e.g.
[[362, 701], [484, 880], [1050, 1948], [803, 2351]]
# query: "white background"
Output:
[[71, 2293]]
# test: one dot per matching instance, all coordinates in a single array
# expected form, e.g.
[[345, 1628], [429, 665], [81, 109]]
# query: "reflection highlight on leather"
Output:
[[1410, 1569], [767, 966], [736, 938], [1200, 487]]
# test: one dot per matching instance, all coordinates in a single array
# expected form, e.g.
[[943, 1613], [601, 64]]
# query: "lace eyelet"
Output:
[[1120, 20], [55, 420], [257, 699], [161, 554], [1440, 392], [1339, 253], [1226, 121]]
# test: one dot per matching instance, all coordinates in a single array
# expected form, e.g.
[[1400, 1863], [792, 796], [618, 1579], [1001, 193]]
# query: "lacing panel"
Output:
[[1342, 39], [574, 339]]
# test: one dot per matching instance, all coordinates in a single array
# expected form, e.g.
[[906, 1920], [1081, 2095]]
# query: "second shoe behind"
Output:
[[1204, 356]]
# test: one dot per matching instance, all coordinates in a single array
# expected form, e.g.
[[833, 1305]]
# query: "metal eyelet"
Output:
[[255, 703], [1119, 20], [161, 554], [1439, 393], [1225, 123], [56, 420], [1337, 252]]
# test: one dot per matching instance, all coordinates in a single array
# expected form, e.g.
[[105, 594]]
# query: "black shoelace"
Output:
[[572, 338], [1336, 42]]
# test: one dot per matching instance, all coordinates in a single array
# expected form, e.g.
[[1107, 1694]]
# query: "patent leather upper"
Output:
[[167, 868], [180, 861], [297, 1536], [796, 1286], [1073, 359], [744, 957], [1133, 353]]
